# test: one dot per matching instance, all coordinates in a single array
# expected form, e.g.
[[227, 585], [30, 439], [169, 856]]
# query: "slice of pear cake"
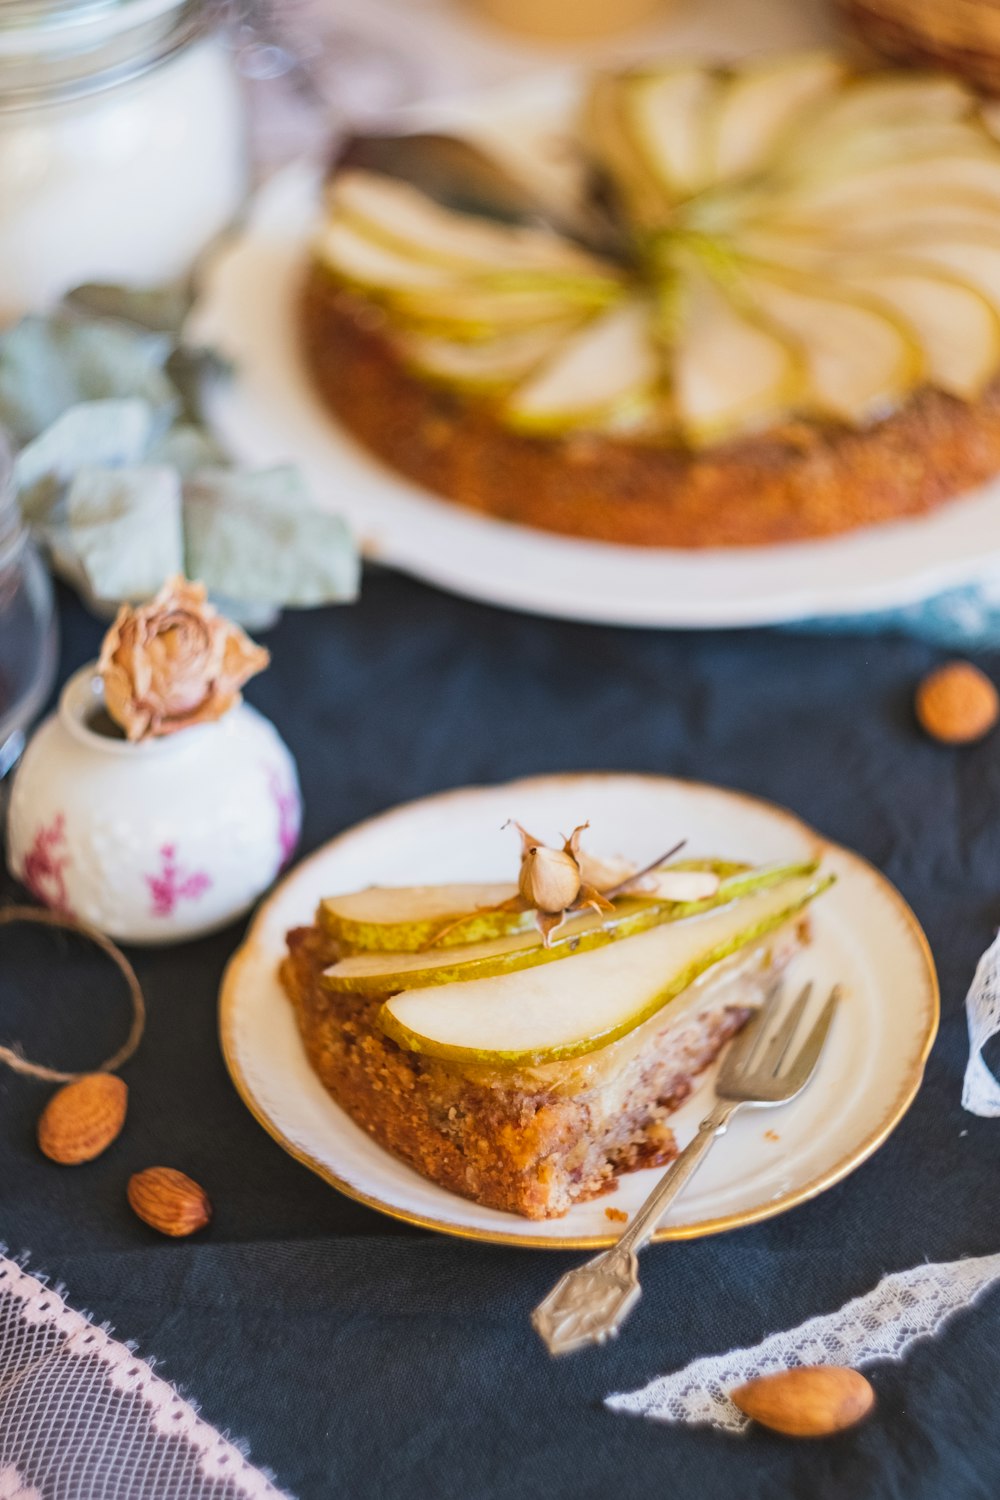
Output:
[[529, 1076]]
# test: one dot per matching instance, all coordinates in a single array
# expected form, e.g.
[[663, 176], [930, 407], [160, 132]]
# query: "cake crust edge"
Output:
[[800, 482]]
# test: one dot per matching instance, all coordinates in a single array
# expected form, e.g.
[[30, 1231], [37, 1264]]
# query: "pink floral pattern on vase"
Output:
[[45, 865], [172, 884], [289, 809]]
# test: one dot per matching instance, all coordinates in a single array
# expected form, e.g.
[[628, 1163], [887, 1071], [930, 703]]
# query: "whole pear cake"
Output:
[[769, 313]]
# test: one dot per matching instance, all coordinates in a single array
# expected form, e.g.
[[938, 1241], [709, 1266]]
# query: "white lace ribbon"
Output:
[[981, 1091], [904, 1307], [82, 1415]]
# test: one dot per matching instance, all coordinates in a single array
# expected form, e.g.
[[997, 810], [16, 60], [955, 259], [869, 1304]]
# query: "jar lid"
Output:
[[54, 49]]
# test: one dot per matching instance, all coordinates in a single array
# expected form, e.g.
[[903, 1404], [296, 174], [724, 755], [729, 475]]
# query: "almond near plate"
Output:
[[864, 936]]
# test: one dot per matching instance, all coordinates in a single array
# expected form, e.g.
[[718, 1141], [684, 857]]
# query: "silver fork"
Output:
[[589, 1304]]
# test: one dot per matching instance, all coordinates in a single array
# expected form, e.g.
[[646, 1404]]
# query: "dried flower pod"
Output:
[[605, 874], [957, 703], [174, 662], [549, 879], [82, 1118], [169, 1201]]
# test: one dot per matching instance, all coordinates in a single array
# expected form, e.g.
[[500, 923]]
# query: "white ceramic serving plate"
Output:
[[865, 936], [270, 413]]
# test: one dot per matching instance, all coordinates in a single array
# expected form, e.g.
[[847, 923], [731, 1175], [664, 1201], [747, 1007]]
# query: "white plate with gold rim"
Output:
[[270, 413], [865, 937]]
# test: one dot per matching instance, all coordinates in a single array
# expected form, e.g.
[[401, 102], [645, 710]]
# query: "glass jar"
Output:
[[122, 143], [27, 623]]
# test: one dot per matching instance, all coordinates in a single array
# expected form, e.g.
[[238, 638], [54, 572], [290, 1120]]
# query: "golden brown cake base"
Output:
[[802, 481], [532, 1142]]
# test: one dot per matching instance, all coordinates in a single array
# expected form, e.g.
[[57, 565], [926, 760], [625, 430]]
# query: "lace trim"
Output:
[[981, 1091], [82, 1413], [904, 1307]]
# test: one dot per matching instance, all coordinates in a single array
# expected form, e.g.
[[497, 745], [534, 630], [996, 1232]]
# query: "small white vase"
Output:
[[158, 841]]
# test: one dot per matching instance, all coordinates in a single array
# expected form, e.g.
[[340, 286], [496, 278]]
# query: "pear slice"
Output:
[[406, 221], [491, 365], [606, 130], [862, 358], [562, 1010], [889, 99], [759, 104], [480, 310], [382, 973], [609, 368], [668, 115], [818, 202], [894, 220], [834, 157], [732, 370], [958, 327], [361, 262], [973, 256], [404, 919]]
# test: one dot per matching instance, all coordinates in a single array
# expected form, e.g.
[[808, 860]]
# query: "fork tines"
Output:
[[753, 1068]]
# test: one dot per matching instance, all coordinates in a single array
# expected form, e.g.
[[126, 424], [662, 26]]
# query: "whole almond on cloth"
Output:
[[83, 1118], [808, 1401], [957, 703], [169, 1201]]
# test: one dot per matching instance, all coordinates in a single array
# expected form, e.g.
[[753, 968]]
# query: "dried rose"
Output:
[[174, 662]]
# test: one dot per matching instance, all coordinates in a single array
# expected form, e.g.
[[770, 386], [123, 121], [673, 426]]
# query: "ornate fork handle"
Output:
[[590, 1303]]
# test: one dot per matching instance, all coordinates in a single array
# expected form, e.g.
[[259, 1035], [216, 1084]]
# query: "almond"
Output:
[[957, 703], [169, 1201], [808, 1401], [83, 1118]]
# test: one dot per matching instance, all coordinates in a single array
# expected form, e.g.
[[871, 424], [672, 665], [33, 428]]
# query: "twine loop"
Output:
[[43, 917]]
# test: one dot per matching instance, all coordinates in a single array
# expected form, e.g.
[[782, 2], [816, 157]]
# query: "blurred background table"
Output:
[[362, 1358]]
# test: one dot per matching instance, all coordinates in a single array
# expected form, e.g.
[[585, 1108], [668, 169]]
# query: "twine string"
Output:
[[42, 917]]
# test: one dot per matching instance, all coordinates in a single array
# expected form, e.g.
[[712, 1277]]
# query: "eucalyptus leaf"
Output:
[[108, 433], [187, 448], [49, 364], [160, 309], [192, 369], [123, 529], [259, 536]]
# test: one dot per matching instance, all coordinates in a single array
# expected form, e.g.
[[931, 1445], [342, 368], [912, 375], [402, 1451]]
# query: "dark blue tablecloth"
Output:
[[363, 1359]]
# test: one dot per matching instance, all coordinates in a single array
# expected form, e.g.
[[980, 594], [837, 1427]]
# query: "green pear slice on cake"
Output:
[[606, 371], [887, 100], [972, 256], [732, 369], [861, 357], [364, 263], [827, 204], [751, 116], [380, 973], [489, 364], [404, 919], [958, 327], [406, 221], [557, 1011], [668, 113]]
